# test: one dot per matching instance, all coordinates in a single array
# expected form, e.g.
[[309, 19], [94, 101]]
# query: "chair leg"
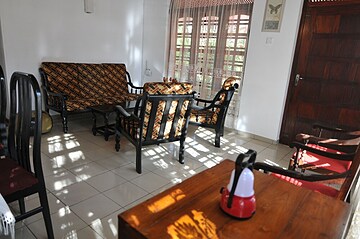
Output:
[[181, 150], [22, 205], [46, 213], [117, 141], [217, 138], [138, 159], [222, 131], [64, 121]]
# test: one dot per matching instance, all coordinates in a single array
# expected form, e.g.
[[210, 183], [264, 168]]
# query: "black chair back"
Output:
[[25, 116], [161, 124], [3, 103], [21, 170]]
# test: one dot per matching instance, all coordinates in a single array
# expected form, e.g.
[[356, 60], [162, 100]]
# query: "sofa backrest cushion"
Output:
[[63, 78], [89, 81], [161, 88], [115, 78]]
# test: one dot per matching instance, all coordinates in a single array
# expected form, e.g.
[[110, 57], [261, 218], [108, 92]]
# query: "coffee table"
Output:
[[191, 210], [106, 111]]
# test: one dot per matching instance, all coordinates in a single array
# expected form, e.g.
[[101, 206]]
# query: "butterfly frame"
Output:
[[273, 15]]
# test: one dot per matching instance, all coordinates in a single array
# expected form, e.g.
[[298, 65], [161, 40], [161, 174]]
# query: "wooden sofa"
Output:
[[74, 87]]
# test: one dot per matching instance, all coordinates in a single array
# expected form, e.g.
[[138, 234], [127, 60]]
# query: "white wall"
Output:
[[53, 30], [155, 27], [267, 72]]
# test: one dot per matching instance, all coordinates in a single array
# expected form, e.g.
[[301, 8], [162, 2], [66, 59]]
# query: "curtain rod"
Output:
[[208, 3]]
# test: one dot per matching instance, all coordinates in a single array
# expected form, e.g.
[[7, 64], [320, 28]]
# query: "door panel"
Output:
[[327, 58]]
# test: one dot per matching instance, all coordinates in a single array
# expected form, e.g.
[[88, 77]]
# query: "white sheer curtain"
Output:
[[207, 44]]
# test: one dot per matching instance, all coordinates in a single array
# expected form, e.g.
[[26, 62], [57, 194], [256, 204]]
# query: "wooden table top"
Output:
[[109, 108], [192, 208]]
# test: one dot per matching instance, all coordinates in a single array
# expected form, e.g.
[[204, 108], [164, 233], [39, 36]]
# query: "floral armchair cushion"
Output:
[[210, 116], [160, 88]]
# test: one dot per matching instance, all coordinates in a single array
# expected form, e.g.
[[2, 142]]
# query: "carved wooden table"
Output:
[[105, 111], [192, 208]]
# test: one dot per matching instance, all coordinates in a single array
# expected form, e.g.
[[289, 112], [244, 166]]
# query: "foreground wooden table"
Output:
[[192, 208]]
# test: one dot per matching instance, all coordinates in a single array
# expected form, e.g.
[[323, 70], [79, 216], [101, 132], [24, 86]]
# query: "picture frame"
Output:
[[273, 15]]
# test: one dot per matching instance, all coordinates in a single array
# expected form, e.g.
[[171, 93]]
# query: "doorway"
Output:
[[325, 80]]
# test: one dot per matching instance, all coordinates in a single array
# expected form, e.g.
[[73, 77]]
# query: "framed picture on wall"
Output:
[[273, 14]]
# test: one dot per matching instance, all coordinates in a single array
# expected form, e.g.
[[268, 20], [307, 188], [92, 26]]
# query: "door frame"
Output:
[[285, 139]]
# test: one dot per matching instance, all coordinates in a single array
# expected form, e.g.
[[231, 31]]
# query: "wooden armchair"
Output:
[[319, 162], [317, 153], [331, 137], [21, 170], [319, 182], [212, 113], [160, 115]]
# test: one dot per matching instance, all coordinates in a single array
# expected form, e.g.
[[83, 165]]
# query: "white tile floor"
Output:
[[89, 183]]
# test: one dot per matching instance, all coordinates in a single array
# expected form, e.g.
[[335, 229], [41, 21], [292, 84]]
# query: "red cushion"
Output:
[[14, 178], [317, 187], [313, 160]]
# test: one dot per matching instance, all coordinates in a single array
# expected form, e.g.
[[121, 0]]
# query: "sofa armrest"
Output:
[[54, 101], [133, 89], [138, 90], [53, 94]]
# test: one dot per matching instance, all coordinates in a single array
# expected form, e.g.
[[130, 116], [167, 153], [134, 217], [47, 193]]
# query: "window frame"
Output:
[[217, 73]]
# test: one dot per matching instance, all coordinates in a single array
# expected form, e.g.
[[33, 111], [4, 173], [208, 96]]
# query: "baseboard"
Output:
[[253, 136]]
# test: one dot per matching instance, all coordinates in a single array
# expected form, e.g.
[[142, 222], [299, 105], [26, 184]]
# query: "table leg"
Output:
[[106, 127], [94, 123]]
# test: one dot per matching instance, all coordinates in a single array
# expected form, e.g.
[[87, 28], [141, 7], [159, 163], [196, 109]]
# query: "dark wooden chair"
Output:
[[320, 162], [21, 171], [212, 113], [336, 138], [3, 105], [321, 154], [319, 182], [160, 115]]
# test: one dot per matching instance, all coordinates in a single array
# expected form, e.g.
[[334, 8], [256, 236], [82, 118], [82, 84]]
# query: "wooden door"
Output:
[[325, 80]]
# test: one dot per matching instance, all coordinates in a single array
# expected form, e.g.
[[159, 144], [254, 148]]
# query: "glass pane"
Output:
[[204, 28], [239, 58], [243, 29], [180, 29], [232, 29], [213, 29], [246, 17], [241, 43], [179, 41], [188, 29], [212, 42], [229, 57], [230, 43], [238, 68]]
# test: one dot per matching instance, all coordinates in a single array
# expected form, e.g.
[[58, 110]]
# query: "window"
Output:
[[208, 42]]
